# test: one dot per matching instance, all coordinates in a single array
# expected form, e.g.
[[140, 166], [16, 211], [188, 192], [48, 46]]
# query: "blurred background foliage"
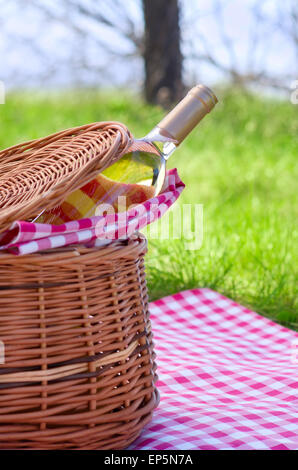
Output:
[[161, 45], [69, 62]]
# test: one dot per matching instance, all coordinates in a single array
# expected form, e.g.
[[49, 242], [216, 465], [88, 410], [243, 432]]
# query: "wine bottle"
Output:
[[139, 174]]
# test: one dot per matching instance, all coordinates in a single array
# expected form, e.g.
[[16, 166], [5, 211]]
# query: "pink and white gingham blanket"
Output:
[[27, 237], [227, 377]]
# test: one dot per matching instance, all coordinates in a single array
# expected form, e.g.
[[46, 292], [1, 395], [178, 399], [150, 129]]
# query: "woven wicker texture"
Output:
[[79, 366], [37, 175]]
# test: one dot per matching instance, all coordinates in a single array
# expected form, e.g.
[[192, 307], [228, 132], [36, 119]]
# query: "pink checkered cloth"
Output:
[[27, 237], [227, 377]]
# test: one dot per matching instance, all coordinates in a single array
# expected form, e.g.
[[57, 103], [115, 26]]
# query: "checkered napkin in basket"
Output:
[[27, 237], [228, 378]]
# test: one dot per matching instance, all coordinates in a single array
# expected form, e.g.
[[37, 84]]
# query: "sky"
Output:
[[35, 51]]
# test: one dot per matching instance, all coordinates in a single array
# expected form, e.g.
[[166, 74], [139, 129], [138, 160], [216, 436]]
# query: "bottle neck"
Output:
[[165, 145]]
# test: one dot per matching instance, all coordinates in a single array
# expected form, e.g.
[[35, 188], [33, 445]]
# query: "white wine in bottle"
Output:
[[139, 174], [145, 165]]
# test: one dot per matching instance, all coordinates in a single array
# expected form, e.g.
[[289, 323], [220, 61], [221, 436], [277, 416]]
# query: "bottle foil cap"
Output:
[[199, 101]]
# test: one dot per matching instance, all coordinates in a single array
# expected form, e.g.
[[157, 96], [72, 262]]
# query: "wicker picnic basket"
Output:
[[79, 368]]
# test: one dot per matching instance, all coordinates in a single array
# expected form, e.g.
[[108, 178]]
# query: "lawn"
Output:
[[241, 164]]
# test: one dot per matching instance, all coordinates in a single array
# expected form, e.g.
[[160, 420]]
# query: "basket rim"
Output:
[[135, 244]]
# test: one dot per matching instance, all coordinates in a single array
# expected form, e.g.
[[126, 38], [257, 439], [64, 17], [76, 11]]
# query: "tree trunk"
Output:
[[162, 55]]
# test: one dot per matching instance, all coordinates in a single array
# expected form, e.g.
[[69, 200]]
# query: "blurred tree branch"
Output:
[[97, 37], [200, 47], [98, 22]]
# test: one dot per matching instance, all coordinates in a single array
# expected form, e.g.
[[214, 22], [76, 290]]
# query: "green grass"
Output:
[[241, 165]]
